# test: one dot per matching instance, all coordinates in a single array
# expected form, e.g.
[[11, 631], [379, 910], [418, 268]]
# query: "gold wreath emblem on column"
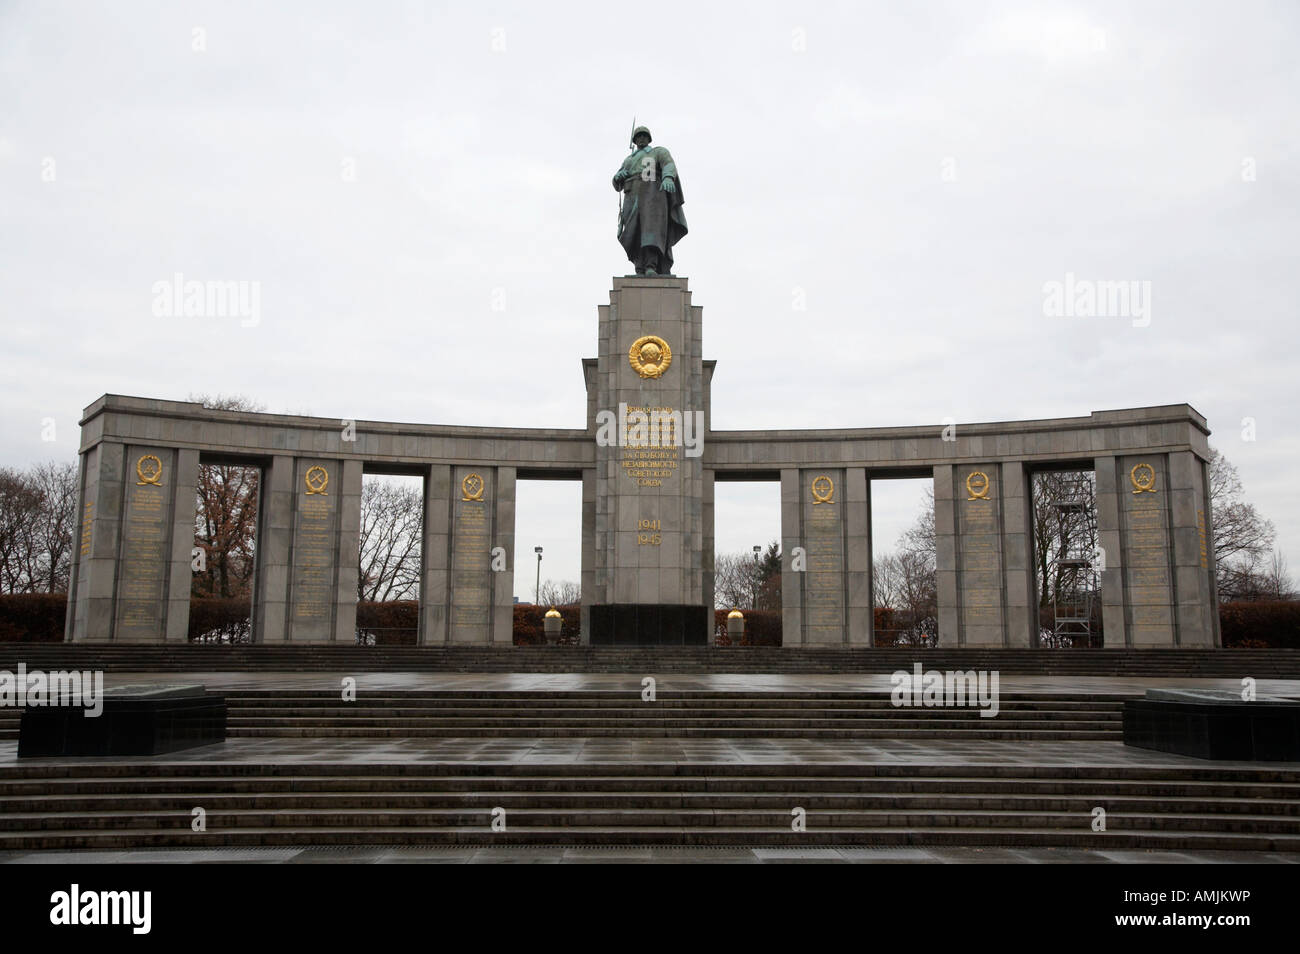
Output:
[[1143, 478], [317, 479], [471, 488], [823, 490], [149, 469], [650, 356], [977, 485]]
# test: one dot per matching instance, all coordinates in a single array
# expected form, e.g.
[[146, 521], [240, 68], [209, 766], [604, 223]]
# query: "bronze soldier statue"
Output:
[[651, 220]]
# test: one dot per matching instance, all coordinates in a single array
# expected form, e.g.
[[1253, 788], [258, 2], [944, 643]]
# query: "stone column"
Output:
[[590, 594], [80, 539], [184, 512], [859, 617], [945, 541], [482, 550], [1194, 586], [1144, 502], [152, 516], [969, 531], [94, 570], [319, 488], [435, 563], [503, 581], [1018, 555], [821, 514], [1211, 568], [1113, 618], [348, 561], [274, 544], [707, 532], [792, 575]]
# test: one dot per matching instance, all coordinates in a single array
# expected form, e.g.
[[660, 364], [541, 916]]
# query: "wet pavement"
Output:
[[542, 855], [668, 682]]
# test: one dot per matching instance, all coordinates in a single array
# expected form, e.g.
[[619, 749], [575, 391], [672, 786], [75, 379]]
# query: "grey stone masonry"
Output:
[[132, 560], [826, 547], [435, 566], [984, 555], [648, 535], [1153, 515], [1197, 610], [647, 512]]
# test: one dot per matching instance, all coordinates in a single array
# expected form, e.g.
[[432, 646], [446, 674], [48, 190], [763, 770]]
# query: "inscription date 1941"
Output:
[[648, 533]]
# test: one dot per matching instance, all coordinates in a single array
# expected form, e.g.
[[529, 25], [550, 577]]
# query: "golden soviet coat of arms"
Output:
[[471, 488], [317, 479], [977, 485], [650, 356], [1143, 478], [149, 469]]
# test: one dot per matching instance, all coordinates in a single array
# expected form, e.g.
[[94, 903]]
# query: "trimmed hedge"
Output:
[[1265, 624], [394, 623], [762, 628], [32, 617], [39, 618], [529, 629], [218, 619]]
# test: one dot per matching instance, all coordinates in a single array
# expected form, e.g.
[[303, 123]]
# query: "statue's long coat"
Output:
[[650, 216]]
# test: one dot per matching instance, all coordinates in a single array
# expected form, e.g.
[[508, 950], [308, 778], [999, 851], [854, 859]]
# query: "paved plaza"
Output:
[[534, 855], [669, 682]]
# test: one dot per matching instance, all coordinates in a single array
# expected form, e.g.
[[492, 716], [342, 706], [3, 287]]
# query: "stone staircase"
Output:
[[1191, 663], [149, 804], [1031, 777], [610, 714], [384, 714]]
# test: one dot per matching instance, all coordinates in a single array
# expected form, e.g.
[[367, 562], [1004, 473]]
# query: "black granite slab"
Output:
[[650, 624], [1214, 724], [136, 720]]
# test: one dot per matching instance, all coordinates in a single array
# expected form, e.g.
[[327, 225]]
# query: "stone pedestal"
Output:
[[644, 537]]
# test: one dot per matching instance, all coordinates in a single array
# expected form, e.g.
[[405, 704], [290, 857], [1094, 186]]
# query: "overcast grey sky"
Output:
[[912, 174]]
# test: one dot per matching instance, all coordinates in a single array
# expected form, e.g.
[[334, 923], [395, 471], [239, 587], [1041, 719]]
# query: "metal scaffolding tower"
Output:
[[1077, 586]]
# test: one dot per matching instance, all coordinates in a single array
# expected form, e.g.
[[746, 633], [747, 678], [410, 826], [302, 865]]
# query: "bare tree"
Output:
[[906, 581], [20, 505], [1242, 537], [560, 593], [225, 527], [1278, 584], [734, 580], [392, 523], [1252, 577], [887, 580], [55, 523], [920, 537], [741, 581]]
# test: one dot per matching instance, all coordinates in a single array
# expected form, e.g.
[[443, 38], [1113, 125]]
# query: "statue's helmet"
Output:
[[636, 132]]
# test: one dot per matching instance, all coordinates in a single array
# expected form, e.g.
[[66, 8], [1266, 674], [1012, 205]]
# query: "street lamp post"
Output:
[[754, 598], [537, 593]]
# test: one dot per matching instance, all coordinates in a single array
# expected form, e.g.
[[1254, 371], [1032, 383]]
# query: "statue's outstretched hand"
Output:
[[668, 185]]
